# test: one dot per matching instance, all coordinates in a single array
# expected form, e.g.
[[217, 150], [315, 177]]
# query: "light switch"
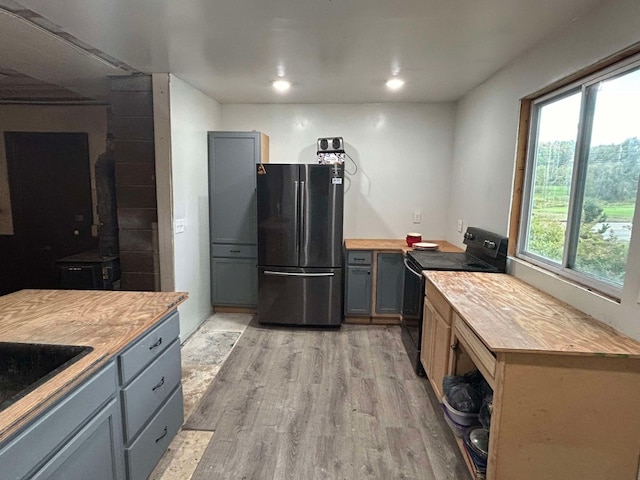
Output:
[[460, 225], [417, 216], [180, 226]]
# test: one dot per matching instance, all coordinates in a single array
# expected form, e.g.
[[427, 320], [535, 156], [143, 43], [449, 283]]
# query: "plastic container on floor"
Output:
[[457, 429], [461, 418]]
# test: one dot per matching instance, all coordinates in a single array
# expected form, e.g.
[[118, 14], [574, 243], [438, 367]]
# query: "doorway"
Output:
[[50, 184]]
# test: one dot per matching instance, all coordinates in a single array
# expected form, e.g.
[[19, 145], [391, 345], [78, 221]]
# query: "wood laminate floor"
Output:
[[292, 403]]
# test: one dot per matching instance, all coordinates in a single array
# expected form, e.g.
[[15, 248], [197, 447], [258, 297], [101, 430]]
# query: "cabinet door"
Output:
[[95, 452], [428, 321], [440, 348], [232, 186], [389, 283], [234, 281], [358, 290], [35, 443]]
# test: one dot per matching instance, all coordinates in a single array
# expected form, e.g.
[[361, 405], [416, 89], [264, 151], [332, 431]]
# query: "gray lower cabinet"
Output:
[[114, 426], [151, 396], [233, 159], [357, 291], [362, 285], [92, 453], [389, 283], [79, 437], [234, 281]]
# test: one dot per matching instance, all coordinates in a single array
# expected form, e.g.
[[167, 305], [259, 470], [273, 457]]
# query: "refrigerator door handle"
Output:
[[296, 217], [303, 217], [294, 274]]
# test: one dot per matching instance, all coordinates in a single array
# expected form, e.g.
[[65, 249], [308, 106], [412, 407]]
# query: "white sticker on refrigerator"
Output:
[[336, 181]]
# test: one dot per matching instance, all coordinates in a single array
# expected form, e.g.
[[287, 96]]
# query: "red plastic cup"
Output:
[[412, 238]]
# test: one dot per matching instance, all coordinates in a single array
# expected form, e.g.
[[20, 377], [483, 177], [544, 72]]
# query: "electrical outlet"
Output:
[[417, 216], [460, 225], [180, 226]]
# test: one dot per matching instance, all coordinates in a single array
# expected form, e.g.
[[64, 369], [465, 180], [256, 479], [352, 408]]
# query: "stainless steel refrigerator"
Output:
[[300, 244]]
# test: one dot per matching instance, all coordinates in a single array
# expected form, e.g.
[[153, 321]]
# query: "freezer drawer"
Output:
[[300, 296]]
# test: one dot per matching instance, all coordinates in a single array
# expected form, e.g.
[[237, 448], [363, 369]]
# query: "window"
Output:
[[581, 184]]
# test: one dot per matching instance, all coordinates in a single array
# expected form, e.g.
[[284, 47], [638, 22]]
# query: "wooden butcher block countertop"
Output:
[[106, 320], [509, 315], [392, 245]]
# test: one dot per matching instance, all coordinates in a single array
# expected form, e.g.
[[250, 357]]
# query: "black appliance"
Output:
[[300, 210], [88, 271], [486, 252]]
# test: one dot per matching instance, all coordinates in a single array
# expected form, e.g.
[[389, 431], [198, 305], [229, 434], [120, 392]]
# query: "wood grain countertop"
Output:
[[509, 315], [392, 245], [105, 320]]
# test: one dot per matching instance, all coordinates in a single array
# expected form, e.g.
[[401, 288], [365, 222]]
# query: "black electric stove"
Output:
[[486, 252], [455, 261]]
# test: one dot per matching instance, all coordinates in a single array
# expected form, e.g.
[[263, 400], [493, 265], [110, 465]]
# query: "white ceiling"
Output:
[[333, 51]]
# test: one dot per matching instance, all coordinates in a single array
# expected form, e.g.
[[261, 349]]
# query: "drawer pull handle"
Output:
[[358, 259], [164, 434], [157, 344], [235, 251], [158, 385]]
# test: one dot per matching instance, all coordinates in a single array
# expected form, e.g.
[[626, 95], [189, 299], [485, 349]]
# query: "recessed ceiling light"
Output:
[[281, 85], [395, 83]]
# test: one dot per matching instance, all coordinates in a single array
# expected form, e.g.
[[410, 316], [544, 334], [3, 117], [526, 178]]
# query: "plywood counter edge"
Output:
[[631, 347], [25, 410], [391, 245]]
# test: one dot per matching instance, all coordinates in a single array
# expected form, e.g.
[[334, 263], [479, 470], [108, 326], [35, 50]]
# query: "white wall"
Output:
[[192, 114], [485, 143], [402, 152], [41, 118]]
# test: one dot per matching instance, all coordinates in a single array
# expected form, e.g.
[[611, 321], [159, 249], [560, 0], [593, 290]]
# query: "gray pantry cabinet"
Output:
[[373, 285], [233, 159], [114, 426]]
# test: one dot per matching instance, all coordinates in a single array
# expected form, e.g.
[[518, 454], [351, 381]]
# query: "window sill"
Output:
[[565, 289]]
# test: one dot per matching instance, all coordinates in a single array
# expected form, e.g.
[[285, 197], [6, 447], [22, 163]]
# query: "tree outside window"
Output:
[[582, 183]]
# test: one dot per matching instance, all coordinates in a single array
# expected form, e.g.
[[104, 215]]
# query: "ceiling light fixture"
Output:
[[395, 83], [281, 85]]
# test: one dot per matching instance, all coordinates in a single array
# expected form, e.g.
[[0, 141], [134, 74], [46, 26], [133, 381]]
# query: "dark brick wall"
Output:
[[131, 122]]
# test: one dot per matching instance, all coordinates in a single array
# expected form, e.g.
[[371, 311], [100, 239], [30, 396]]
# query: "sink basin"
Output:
[[26, 366]]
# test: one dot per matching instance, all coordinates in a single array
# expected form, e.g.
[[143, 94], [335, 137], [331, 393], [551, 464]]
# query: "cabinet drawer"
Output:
[[438, 301], [152, 442], [359, 257], [228, 250], [479, 353], [150, 389], [149, 347]]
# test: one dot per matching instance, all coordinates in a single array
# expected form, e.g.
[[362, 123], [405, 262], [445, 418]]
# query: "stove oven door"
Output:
[[412, 305]]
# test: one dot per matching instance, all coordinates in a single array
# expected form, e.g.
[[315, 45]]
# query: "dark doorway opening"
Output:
[[50, 184]]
